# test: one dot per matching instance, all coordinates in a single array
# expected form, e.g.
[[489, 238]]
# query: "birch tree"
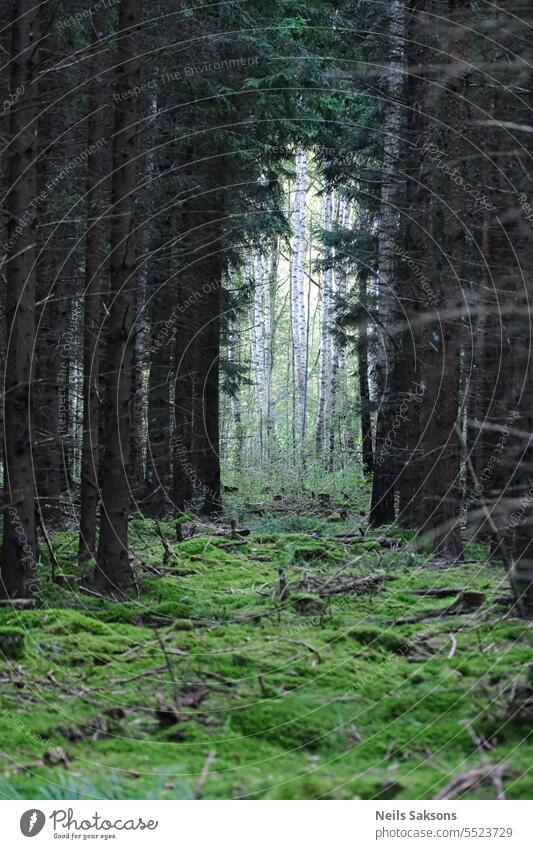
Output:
[[258, 359], [324, 389], [298, 312]]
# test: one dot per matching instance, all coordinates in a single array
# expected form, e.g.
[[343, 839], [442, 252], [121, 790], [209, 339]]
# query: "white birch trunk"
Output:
[[269, 302], [258, 350], [324, 388], [342, 289], [298, 311]]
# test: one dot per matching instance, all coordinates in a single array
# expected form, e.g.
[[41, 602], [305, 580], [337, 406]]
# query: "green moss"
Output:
[[183, 625], [304, 700], [379, 638], [288, 724], [12, 642]]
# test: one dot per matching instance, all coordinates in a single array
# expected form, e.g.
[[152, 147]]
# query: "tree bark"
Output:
[[113, 556], [324, 388], [362, 368], [19, 547], [383, 489], [440, 491], [158, 454], [95, 280], [298, 316]]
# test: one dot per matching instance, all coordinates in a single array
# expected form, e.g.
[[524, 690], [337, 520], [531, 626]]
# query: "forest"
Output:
[[267, 399]]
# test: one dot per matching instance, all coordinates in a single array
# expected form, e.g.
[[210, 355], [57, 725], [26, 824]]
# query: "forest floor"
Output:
[[271, 665]]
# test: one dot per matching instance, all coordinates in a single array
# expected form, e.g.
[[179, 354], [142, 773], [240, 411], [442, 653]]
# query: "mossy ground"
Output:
[[303, 697]]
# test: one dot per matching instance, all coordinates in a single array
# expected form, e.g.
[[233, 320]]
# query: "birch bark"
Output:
[[298, 312], [324, 389]]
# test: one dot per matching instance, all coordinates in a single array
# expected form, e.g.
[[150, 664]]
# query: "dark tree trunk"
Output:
[[161, 295], [415, 294], [53, 346], [158, 445], [182, 445], [19, 546], [382, 508], [113, 556], [212, 501], [93, 296], [206, 272], [56, 334], [441, 486], [138, 435], [364, 389]]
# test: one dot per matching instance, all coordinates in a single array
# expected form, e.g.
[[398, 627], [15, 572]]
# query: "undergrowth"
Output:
[[218, 681]]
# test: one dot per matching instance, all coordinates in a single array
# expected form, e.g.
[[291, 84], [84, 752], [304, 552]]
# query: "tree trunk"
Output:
[[362, 367], [298, 316], [211, 402], [324, 389], [113, 556], [258, 348], [94, 287], [440, 491], [382, 506], [138, 425], [158, 455], [19, 547], [183, 445]]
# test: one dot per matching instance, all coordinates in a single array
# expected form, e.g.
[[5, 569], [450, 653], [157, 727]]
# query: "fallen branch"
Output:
[[145, 674], [21, 603], [85, 589], [304, 645], [468, 780], [357, 586], [338, 572], [439, 592], [453, 648], [205, 772]]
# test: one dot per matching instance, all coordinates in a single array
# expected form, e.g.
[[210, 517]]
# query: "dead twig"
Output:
[[168, 553], [338, 572], [145, 674], [453, 648], [304, 645], [205, 772], [82, 588]]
